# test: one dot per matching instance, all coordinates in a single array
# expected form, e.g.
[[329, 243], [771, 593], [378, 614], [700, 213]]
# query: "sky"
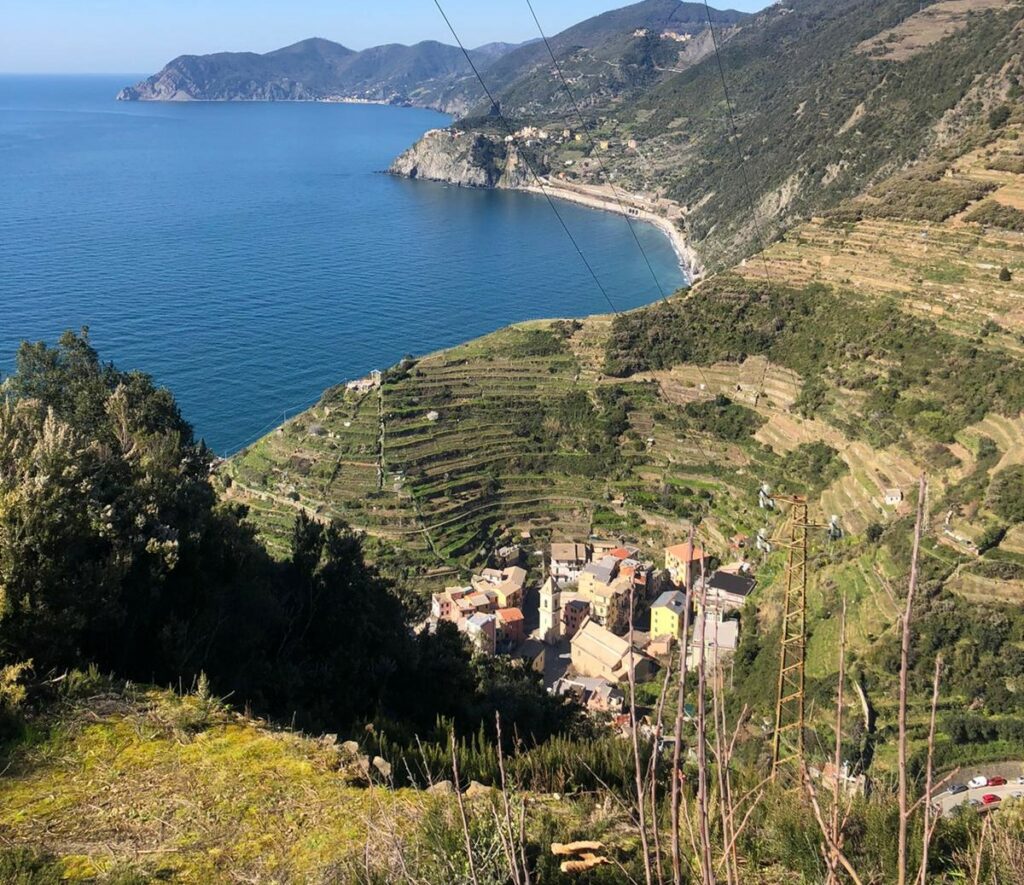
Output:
[[141, 36]]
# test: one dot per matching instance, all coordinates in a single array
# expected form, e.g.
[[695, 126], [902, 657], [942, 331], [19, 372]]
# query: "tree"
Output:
[[998, 116], [1004, 275], [1008, 494]]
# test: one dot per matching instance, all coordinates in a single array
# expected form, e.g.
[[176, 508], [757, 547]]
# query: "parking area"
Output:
[[974, 795]]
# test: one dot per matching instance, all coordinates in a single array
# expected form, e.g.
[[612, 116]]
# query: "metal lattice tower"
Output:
[[788, 740]]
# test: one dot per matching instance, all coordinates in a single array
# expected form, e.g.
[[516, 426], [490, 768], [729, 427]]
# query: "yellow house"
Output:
[[668, 615]]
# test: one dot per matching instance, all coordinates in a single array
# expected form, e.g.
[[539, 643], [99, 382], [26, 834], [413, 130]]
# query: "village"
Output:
[[594, 598]]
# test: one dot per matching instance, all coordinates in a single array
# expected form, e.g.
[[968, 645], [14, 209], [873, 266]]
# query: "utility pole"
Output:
[[788, 740]]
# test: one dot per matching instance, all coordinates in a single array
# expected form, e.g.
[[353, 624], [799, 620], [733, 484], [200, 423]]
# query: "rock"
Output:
[[476, 789], [442, 788], [463, 159]]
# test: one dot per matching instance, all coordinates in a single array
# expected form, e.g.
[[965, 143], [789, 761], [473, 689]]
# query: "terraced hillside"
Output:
[[878, 342], [936, 238], [434, 458]]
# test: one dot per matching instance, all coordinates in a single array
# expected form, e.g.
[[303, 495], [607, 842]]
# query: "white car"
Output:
[[979, 781], [1019, 779]]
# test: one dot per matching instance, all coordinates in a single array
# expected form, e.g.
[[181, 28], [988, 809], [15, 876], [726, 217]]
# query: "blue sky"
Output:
[[140, 36]]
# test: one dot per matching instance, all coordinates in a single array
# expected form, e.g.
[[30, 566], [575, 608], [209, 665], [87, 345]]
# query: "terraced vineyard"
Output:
[[434, 460], [942, 266]]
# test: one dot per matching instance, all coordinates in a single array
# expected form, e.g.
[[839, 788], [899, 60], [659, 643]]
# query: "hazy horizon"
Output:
[[112, 37]]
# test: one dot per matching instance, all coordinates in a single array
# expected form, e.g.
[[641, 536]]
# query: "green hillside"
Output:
[[876, 339]]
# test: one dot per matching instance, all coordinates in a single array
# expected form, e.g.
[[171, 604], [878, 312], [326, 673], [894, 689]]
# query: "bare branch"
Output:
[[462, 811], [901, 747]]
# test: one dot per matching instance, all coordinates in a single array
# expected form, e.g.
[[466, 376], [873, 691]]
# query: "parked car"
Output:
[[978, 781], [1019, 779], [973, 803], [990, 799], [1017, 794], [956, 788], [996, 781]]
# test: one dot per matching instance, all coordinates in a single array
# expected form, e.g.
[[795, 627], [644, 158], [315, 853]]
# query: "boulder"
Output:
[[475, 789]]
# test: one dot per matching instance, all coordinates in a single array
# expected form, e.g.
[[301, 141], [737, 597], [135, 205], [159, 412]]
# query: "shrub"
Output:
[[723, 418], [1004, 275], [993, 214], [1008, 494], [998, 116]]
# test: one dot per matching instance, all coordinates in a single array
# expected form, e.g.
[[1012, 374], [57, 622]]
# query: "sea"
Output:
[[250, 255]]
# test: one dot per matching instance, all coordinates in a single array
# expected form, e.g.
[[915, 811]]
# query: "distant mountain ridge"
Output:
[[428, 74], [315, 70]]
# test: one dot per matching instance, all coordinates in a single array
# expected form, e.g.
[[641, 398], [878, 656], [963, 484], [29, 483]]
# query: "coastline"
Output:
[[594, 198]]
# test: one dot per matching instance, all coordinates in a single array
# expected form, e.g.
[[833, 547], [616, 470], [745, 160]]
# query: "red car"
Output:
[[990, 799], [997, 781]]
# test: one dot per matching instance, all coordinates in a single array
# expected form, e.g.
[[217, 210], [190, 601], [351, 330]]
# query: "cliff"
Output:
[[465, 159]]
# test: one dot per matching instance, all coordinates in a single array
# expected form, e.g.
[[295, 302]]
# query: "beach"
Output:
[[621, 202]]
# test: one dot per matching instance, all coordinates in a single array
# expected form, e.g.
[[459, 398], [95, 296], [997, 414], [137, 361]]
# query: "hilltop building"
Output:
[[507, 585], [482, 630], [562, 612], [719, 638], [597, 695], [511, 627]]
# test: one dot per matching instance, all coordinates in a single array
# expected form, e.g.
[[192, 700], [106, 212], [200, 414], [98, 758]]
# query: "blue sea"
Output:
[[251, 255]]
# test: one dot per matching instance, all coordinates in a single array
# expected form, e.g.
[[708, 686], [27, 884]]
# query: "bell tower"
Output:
[[550, 613]]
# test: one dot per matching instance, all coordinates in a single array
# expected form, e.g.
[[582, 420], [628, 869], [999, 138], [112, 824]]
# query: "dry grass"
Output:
[[917, 33]]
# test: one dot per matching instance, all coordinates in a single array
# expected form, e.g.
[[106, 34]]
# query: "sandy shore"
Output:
[[595, 198]]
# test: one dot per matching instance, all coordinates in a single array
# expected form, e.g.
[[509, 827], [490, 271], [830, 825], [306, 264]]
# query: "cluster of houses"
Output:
[[594, 581], [587, 597], [531, 135], [489, 611], [678, 36], [590, 592]]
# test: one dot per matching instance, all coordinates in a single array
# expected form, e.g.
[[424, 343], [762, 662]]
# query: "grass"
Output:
[[186, 791]]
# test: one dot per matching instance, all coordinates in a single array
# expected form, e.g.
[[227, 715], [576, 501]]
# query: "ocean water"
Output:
[[251, 255]]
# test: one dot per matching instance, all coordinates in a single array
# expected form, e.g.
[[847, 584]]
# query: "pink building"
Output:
[[511, 626]]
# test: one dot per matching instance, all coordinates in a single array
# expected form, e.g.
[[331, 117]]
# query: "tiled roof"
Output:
[[686, 552], [610, 650]]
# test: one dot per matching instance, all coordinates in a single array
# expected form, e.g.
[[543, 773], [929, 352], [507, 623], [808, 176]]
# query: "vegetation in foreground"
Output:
[[87, 447]]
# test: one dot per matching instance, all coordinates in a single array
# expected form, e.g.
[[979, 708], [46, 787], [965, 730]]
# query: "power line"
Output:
[[496, 109], [593, 147], [231, 452], [731, 116]]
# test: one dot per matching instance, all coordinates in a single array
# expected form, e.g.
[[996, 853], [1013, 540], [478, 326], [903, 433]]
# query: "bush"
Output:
[[998, 116], [1004, 274], [918, 198], [1007, 493], [723, 418], [993, 214]]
